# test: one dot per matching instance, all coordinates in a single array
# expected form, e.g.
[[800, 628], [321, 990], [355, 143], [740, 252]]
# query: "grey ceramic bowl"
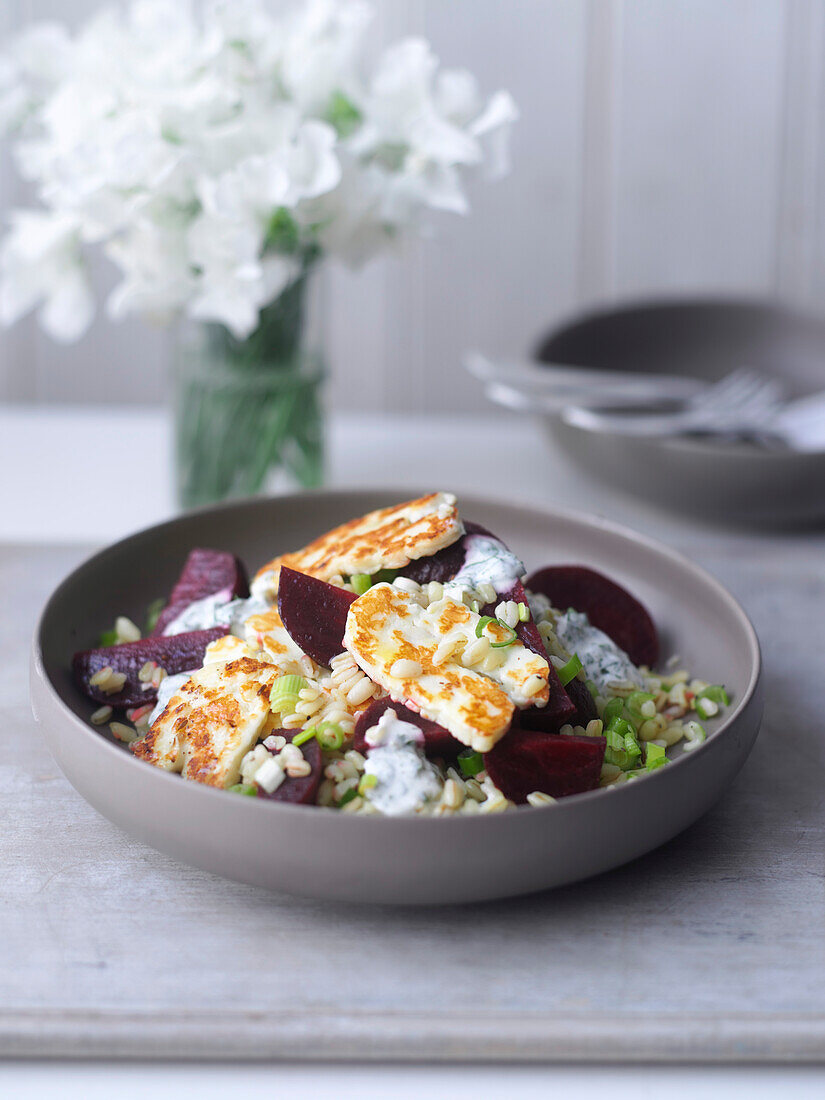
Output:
[[704, 339], [324, 854]]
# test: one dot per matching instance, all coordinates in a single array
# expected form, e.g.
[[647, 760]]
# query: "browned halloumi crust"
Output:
[[480, 704], [197, 712], [388, 538]]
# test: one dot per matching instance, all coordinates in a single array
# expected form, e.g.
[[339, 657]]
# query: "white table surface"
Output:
[[91, 476]]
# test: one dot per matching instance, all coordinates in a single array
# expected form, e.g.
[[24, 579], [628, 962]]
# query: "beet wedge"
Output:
[[535, 718], [302, 789], [314, 614], [608, 606], [528, 760], [205, 573], [437, 740], [180, 653]]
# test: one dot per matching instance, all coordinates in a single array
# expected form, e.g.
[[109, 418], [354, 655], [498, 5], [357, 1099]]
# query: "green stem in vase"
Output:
[[246, 408]]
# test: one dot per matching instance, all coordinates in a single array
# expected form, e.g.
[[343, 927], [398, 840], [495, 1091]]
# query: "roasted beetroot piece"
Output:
[[547, 719], [179, 653], [444, 565], [437, 740], [608, 606], [314, 614], [583, 701], [205, 573], [529, 760], [305, 788], [560, 708]]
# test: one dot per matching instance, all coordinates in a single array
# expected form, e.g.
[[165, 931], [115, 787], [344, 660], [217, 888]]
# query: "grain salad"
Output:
[[403, 663]]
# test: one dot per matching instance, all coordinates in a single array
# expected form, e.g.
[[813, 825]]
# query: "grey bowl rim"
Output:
[[457, 821], [662, 302]]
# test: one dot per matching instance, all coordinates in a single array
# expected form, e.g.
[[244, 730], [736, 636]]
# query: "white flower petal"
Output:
[[69, 309], [493, 125], [41, 262]]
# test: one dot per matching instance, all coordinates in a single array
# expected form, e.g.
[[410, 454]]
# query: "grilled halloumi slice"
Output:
[[520, 672], [399, 645], [227, 648], [266, 631], [211, 722], [389, 538]]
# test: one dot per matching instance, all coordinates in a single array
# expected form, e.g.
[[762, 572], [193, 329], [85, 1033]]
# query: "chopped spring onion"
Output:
[[348, 797], [641, 704], [485, 620], [304, 736], [108, 637], [593, 688], [361, 583], [244, 788], [655, 756], [285, 693], [471, 763], [696, 734], [367, 783], [622, 727], [716, 693], [153, 614], [523, 613], [330, 736], [482, 622], [623, 750], [569, 671], [705, 708], [509, 641], [614, 708]]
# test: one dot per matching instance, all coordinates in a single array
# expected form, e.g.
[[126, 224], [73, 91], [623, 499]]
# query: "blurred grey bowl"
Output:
[[702, 339]]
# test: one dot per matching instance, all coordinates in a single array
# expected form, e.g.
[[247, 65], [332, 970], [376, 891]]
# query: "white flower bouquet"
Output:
[[215, 151]]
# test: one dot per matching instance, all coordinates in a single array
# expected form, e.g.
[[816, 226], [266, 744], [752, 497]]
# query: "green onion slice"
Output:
[[361, 583], [471, 763], [367, 783], [507, 641], [348, 797], [304, 736], [636, 700], [244, 788], [523, 613], [569, 671], [108, 637], [485, 620], [286, 692], [716, 693], [330, 736], [655, 756], [614, 708], [482, 622], [593, 688]]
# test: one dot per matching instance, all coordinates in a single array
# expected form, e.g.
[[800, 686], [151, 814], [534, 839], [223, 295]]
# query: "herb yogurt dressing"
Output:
[[405, 779], [169, 685], [217, 610], [488, 561], [601, 658]]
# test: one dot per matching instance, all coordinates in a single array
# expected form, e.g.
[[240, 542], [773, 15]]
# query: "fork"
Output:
[[741, 404]]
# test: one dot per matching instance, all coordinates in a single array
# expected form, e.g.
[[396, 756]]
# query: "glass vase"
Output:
[[248, 414]]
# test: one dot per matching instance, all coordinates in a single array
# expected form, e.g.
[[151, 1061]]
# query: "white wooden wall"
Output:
[[664, 146]]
